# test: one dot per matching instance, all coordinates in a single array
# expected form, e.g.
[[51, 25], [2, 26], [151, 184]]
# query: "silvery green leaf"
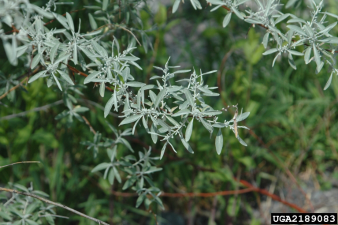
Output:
[[35, 61], [270, 51], [152, 96], [42, 11], [70, 21], [227, 19], [181, 71], [242, 116], [21, 50], [207, 125], [196, 4], [92, 33], [135, 64], [102, 88], [237, 13], [165, 126], [99, 49], [111, 176], [219, 141], [188, 131], [80, 109], [265, 40], [282, 17], [319, 67], [117, 175], [331, 14], [115, 100], [296, 20], [145, 125], [186, 145], [291, 62], [189, 96], [135, 84], [218, 125], [155, 77], [92, 22], [173, 121], [274, 60], [331, 40], [328, 28], [130, 119], [211, 113], [53, 51], [66, 77], [104, 5], [153, 130], [75, 60], [175, 6], [216, 2], [239, 2], [316, 54], [126, 143], [308, 30], [163, 150], [182, 112], [57, 82], [91, 76], [297, 29], [184, 105], [173, 89], [101, 166], [328, 82], [62, 58], [295, 52], [241, 141], [307, 55], [160, 97], [205, 90], [109, 105], [37, 75], [253, 21]]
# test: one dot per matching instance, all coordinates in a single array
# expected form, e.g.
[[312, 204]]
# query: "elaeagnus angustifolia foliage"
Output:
[[166, 108]]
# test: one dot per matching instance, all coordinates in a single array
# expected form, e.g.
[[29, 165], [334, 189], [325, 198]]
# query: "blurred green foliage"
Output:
[[291, 119]]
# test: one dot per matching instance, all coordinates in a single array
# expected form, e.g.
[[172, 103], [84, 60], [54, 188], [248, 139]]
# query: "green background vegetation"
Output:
[[292, 119]]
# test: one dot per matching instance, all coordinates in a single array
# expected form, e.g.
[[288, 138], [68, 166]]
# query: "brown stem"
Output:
[[19, 163]]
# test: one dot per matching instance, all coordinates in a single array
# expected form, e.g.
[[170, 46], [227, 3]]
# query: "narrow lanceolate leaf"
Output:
[[182, 112], [92, 22], [237, 13], [154, 137], [307, 55], [108, 106], [328, 82], [163, 150], [160, 97], [91, 77], [219, 141], [61, 20], [101, 166], [266, 40], [189, 96], [186, 145], [270, 51], [102, 88], [226, 19], [175, 6], [241, 141], [53, 52], [316, 54], [295, 52], [297, 29], [104, 5], [130, 119], [70, 21], [188, 131], [66, 77], [242, 116], [135, 84], [36, 76], [35, 61], [57, 82], [328, 28], [207, 125]]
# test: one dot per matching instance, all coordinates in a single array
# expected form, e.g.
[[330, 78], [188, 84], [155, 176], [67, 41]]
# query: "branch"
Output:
[[53, 203], [19, 163], [13, 88]]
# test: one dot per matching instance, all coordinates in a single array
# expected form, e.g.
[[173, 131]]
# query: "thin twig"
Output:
[[13, 88], [53, 203], [41, 108], [19, 163], [129, 32], [90, 126]]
